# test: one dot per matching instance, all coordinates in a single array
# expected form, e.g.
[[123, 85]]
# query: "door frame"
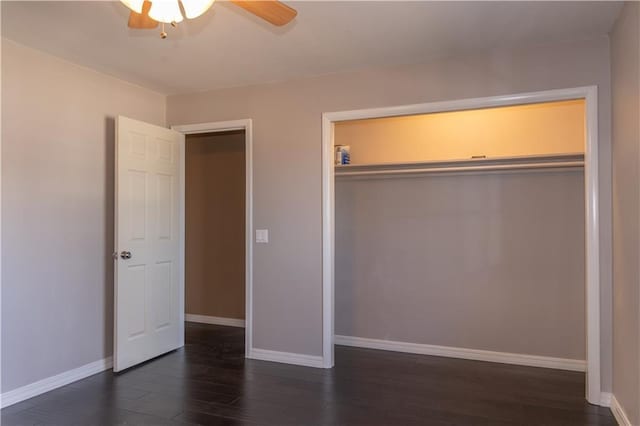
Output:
[[589, 94], [214, 127]]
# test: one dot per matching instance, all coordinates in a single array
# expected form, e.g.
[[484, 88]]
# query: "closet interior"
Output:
[[463, 229]]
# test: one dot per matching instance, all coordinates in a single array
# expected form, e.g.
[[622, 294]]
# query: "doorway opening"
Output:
[[449, 164], [216, 222], [215, 228]]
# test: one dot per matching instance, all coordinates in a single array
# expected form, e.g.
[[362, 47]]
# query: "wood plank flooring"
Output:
[[209, 382]]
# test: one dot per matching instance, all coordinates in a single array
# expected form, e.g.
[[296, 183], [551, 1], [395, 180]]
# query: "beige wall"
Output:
[[491, 261], [215, 224], [287, 298], [625, 54], [57, 165], [536, 129], [57, 210]]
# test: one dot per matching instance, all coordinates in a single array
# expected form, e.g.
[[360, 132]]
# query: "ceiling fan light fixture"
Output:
[[135, 5], [166, 11], [195, 8]]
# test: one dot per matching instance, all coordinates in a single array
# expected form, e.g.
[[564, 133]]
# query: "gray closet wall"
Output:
[[491, 261]]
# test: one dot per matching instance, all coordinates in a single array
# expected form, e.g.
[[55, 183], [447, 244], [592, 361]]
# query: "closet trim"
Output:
[[589, 94]]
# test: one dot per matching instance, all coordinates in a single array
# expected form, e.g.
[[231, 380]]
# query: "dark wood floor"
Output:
[[210, 383]]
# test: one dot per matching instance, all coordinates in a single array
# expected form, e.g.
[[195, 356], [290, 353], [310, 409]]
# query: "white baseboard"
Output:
[[605, 399], [463, 353], [618, 413], [286, 358], [54, 382], [205, 319]]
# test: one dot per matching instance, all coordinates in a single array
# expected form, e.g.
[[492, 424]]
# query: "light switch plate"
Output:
[[262, 235]]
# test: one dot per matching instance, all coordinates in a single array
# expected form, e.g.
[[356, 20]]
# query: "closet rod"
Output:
[[449, 169]]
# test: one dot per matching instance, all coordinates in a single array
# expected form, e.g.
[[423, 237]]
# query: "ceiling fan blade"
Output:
[[272, 11], [142, 21]]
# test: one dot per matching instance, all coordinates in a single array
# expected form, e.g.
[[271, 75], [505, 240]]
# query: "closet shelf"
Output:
[[530, 162]]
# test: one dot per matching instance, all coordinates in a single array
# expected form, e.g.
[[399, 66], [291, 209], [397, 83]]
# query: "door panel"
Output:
[[147, 302]]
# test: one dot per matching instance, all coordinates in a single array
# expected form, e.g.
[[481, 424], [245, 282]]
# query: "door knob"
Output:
[[125, 255]]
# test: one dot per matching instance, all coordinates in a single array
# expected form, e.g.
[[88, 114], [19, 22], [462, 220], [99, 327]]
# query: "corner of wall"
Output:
[[625, 81], [166, 111]]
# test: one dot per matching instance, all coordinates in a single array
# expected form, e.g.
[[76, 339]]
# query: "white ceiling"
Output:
[[229, 47]]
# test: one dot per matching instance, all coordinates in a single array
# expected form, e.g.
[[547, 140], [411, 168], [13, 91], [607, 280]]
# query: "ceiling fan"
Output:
[[147, 14]]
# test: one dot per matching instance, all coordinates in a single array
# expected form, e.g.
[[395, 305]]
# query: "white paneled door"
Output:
[[147, 233]]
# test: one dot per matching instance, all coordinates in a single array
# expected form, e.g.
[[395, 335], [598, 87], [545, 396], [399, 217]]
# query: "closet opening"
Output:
[[216, 230], [465, 229]]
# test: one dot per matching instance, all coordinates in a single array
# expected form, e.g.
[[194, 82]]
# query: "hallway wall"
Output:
[[215, 224]]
